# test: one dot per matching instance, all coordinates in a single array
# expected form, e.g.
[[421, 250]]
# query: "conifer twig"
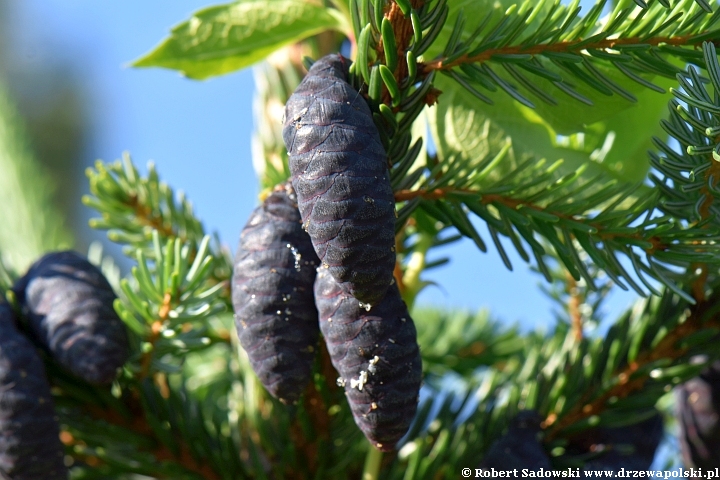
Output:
[[155, 331], [145, 216], [712, 174], [403, 29], [438, 193], [138, 424], [574, 302], [702, 315], [573, 46]]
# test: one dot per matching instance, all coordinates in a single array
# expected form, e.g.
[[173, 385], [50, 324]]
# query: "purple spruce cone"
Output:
[[339, 171], [69, 305], [30, 447], [698, 414], [377, 356], [631, 447], [520, 447], [272, 292]]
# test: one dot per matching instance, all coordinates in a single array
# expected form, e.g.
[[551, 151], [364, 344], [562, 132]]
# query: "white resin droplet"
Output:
[[366, 306], [360, 382], [297, 255]]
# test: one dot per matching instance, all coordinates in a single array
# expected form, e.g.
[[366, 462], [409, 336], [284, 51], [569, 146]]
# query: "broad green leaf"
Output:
[[623, 140], [221, 39], [570, 116], [465, 128]]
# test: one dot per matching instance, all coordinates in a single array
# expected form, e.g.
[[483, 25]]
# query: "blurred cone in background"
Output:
[[698, 414]]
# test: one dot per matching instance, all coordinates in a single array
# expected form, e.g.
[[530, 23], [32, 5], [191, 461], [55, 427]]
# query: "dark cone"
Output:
[[30, 447], [698, 413], [611, 449], [339, 171], [272, 291], [69, 304], [376, 353], [520, 447]]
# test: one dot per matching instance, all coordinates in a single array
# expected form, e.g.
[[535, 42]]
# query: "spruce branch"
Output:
[[167, 300], [111, 433], [130, 203], [694, 328], [663, 359], [551, 374], [560, 49], [571, 214], [688, 178], [134, 208], [641, 357], [156, 458], [567, 46]]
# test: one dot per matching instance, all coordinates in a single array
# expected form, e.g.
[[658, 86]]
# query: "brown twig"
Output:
[[435, 194], [398, 273], [137, 424], [438, 193], [473, 350], [574, 302], [145, 216], [155, 331], [567, 46], [666, 349]]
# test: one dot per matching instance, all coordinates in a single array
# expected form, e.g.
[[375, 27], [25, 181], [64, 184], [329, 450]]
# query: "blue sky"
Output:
[[198, 134]]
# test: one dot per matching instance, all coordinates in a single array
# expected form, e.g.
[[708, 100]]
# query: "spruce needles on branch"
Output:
[[559, 180], [542, 48]]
